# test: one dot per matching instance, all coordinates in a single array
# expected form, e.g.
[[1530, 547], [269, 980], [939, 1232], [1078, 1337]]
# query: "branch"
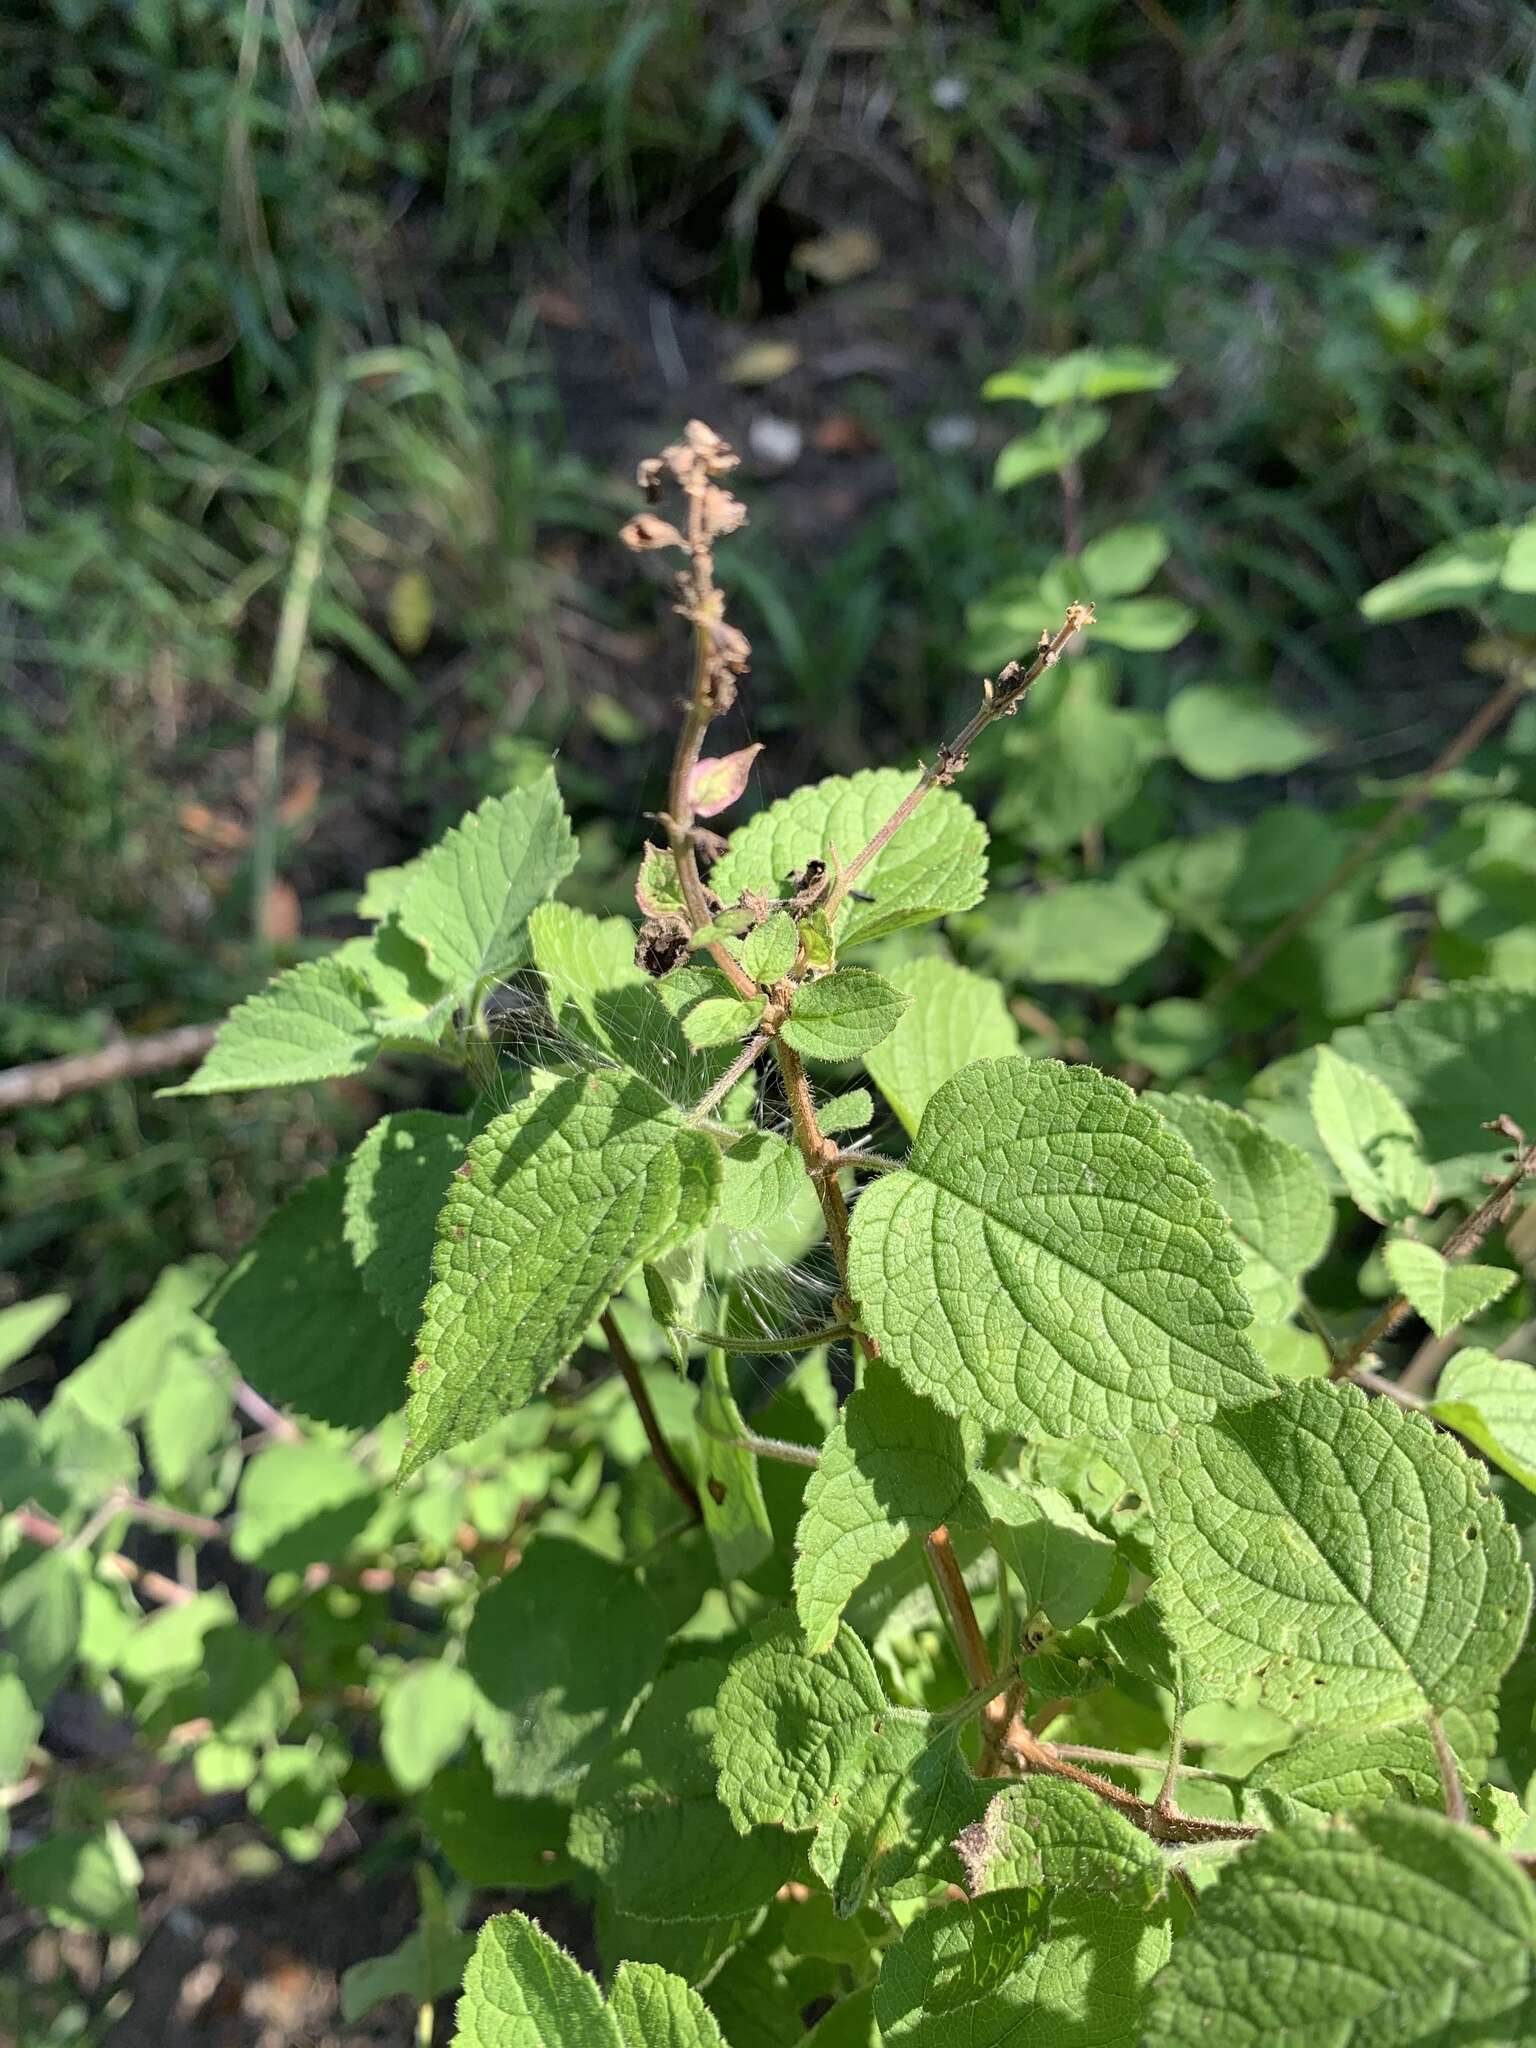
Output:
[[1490, 713], [44, 1530], [765, 1347], [743, 1062], [1163, 1823], [661, 1450], [955, 1601], [999, 700], [778, 1448], [46, 1081]]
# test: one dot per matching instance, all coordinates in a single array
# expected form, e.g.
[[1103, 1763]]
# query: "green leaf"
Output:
[[1518, 572], [722, 1020], [501, 1843], [1457, 572], [1074, 768], [563, 1199], [1059, 439], [1272, 1194], [117, 1383], [1123, 561], [768, 952], [1342, 1770], [654, 2009], [1170, 1038], [396, 1183], [649, 1823], [429, 1963], [953, 1017], [1052, 1260], [1084, 373], [1371, 1139], [894, 1467], [587, 963], [1443, 1293], [297, 1799], [1048, 1834], [301, 1504], [760, 1177], [298, 1323], [468, 900], [843, 1014], [898, 1812], [934, 866], [1091, 934], [1385, 1930], [561, 1689], [1142, 625], [1061, 1564], [24, 1325], [1340, 1556], [1224, 731], [521, 1991], [188, 1419], [81, 1880], [730, 1489], [1491, 1401], [316, 1022], [426, 1715], [40, 1621], [850, 1111], [1012, 1967], [789, 1730], [1456, 1059]]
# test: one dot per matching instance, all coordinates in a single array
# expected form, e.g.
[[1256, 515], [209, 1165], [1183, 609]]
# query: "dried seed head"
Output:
[[645, 532]]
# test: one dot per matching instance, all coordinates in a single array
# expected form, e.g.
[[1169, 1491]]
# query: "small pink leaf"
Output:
[[715, 785]]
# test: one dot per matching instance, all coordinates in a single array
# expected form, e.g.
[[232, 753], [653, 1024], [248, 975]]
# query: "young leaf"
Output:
[[24, 1325], [1012, 1967], [1457, 572], [847, 1112], [722, 1020], [1271, 1192], [649, 1823], [1371, 1139], [953, 1018], [118, 1382], [563, 1199], [313, 1023], [1059, 439], [1051, 1260], [717, 784], [1491, 1401], [1388, 1928], [1341, 1555], [768, 952], [760, 1176], [843, 1014], [521, 1991], [469, 899], [1048, 1834], [730, 1490], [396, 1182], [561, 1690], [425, 1717], [934, 866], [1442, 1292], [1224, 731], [894, 1467], [1083, 373], [298, 1323], [1060, 1563]]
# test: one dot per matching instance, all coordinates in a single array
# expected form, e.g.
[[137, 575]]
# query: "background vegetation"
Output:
[[414, 288]]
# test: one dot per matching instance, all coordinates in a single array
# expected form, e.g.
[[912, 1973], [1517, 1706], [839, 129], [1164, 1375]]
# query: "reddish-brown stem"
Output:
[[1164, 1824], [661, 1450], [43, 1529], [955, 1599], [1489, 714]]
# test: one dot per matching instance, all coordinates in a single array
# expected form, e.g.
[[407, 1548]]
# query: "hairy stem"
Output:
[[661, 1450], [1489, 714], [999, 700], [1162, 1824], [775, 1448], [955, 1604], [744, 1061], [765, 1347]]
